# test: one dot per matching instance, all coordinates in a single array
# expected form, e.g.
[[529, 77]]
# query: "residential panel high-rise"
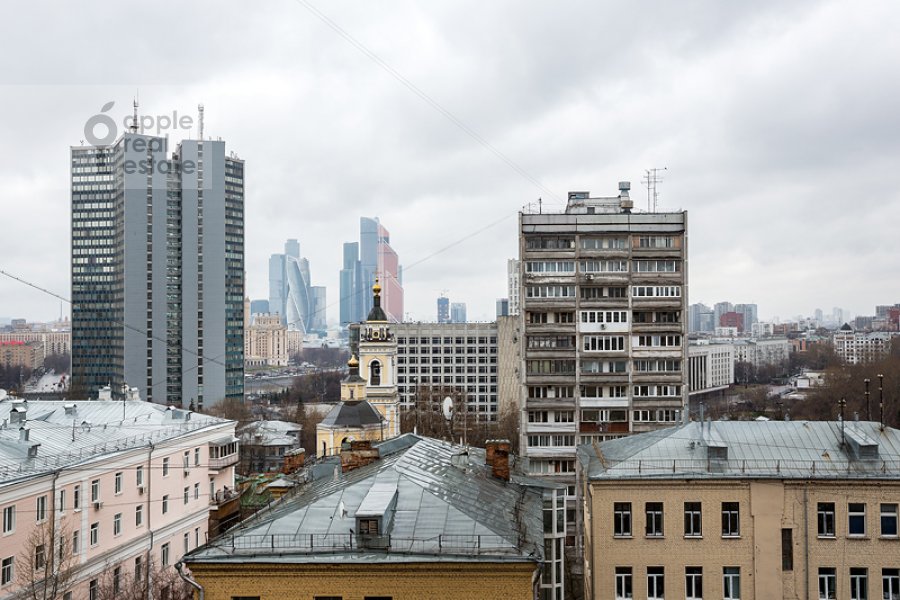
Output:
[[158, 270], [604, 347]]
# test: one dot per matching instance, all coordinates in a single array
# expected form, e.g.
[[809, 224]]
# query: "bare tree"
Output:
[[45, 562], [150, 580]]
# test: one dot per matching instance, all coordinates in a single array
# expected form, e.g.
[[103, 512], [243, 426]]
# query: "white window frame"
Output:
[[731, 583]]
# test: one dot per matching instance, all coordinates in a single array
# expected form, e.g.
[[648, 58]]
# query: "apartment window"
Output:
[[187, 494], [826, 519], [165, 504], [187, 542], [623, 583], [93, 590], [859, 584], [6, 570], [787, 549], [95, 490], [76, 497], [9, 519], [196, 491], [138, 515], [118, 483], [95, 534], [76, 542], [654, 514], [187, 460], [731, 581], [656, 583], [196, 537], [165, 467], [164, 555], [139, 476], [138, 568], [889, 520], [41, 509], [622, 519], [890, 584], [196, 457], [731, 519], [692, 520], [693, 583], [62, 501], [856, 519], [827, 583], [39, 557]]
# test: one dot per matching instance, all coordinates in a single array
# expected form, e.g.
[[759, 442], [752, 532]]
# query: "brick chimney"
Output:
[[497, 457], [358, 455]]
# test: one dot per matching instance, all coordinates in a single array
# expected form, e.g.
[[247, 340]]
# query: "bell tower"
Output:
[[378, 364]]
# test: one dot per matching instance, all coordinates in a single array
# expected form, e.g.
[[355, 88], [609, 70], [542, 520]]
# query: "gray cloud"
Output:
[[777, 121]]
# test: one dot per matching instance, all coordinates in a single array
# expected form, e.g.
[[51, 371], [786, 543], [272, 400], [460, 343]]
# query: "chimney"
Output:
[[625, 202], [18, 413], [23, 433], [497, 457], [490, 448], [358, 454]]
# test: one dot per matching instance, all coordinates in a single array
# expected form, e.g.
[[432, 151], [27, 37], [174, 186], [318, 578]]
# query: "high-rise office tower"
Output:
[[719, 309], [700, 318], [376, 259], [603, 316], [351, 300], [749, 312], [443, 309], [291, 293], [457, 312], [158, 270]]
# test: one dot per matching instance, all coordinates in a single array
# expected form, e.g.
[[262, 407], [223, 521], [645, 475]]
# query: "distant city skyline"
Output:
[[785, 166]]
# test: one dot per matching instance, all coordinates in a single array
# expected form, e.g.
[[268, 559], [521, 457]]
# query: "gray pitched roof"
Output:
[[443, 512], [749, 449], [91, 430], [352, 414]]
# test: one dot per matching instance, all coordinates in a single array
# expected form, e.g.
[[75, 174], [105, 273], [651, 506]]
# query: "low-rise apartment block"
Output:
[[109, 492], [744, 510]]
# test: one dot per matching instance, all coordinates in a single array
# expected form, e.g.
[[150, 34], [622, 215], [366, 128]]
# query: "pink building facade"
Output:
[[392, 286], [121, 489]]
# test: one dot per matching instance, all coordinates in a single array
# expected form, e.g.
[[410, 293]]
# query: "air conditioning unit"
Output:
[[98, 505], [140, 489]]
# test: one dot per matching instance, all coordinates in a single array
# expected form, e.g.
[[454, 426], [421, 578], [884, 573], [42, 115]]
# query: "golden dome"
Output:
[[352, 362], [376, 289]]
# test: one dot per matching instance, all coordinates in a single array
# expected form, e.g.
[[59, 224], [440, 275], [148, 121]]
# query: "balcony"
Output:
[[224, 510], [223, 453]]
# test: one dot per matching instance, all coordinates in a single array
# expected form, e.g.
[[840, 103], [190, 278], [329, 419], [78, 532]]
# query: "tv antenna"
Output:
[[651, 178]]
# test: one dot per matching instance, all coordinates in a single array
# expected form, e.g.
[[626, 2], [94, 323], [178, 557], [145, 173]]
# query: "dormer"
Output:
[[375, 515]]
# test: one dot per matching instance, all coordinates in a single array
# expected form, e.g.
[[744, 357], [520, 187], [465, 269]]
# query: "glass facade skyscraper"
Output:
[[373, 257], [291, 294], [158, 270]]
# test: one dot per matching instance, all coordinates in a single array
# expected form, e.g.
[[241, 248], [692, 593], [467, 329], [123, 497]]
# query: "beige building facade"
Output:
[[265, 342], [750, 511]]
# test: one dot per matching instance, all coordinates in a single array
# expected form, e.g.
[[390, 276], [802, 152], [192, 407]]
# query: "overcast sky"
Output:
[[779, 124]]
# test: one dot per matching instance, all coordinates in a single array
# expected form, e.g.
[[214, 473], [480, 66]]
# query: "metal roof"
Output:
[[352, 414], [271, 433], [749, 449], [443, 511], [92, 430]]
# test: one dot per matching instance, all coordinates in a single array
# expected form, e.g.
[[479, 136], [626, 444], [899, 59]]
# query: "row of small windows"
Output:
[[693, 583], [593, 293], [602, 242], [567, 267]]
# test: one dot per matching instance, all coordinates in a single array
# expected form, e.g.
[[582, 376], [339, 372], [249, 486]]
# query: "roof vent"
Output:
[[625, 201], [24, 433], [18, 413], [71, 408], [375, 515]]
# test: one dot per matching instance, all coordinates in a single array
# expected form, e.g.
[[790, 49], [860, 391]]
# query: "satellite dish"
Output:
[[447, 408]]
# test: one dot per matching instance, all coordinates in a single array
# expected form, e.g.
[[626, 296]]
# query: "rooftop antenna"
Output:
[[134, 118], [651, 179], [200, 110]]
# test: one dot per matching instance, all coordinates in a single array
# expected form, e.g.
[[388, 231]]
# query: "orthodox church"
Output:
[[370, 404]]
